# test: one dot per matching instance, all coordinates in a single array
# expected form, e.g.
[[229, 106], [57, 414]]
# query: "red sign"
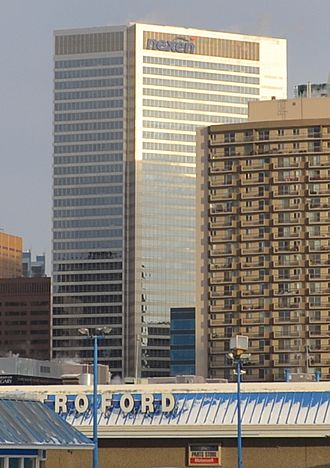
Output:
[[204, 461]]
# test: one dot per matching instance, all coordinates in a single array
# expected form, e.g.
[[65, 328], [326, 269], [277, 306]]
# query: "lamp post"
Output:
[[239, 345], [95, 335]]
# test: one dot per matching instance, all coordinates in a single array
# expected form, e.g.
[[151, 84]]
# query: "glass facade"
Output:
[[88, 206], [182, 341], [167, 189]]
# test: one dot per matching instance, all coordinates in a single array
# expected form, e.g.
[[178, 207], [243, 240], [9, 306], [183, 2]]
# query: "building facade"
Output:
[[33, 268], [128, 101], [313, 89], [183, 341], [265, 240], [10, 255], [25, 317]]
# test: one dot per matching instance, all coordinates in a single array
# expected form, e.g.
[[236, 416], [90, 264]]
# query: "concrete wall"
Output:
[[289, 109], [139, 453]]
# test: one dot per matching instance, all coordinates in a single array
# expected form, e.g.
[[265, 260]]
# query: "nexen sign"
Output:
[[171, 46]]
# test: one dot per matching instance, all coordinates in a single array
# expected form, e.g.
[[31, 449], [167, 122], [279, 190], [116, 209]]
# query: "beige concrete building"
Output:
[[264, 240], [10, 255]]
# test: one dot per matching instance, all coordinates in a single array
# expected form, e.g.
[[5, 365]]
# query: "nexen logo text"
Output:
[[171, 46]]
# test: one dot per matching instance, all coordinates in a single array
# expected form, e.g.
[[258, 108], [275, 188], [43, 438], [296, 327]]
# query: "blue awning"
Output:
[[26, 424]]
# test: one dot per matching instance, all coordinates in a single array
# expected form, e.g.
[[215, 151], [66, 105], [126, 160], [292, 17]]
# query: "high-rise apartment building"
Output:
[[128, 101], [10, 255], [264, 240]]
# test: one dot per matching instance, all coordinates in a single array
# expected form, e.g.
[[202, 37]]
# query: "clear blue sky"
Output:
[[26, 45]]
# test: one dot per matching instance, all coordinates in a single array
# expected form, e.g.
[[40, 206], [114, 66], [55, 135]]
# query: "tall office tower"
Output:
[[10, 255], [33, 268], [128, 101], [313, 89], [264, 240], [25, 317]]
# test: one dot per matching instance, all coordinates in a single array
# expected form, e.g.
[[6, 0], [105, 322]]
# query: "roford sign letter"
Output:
[[146, 402]]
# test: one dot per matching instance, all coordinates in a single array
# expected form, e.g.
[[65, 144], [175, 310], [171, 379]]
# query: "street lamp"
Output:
[[95, 334], [239, 344]]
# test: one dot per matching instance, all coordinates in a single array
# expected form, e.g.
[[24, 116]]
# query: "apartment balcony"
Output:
[[319, 291], [254, 251], [228, 266], [222, 294], [289, 292], [287, 167], [222, 322], [219, 308], [255, 279], [221, 168], [251, 265], [286, 334], [292, 206], [222, 236], [318, 333], [286, 305], [322, 318], [290, 278], [222, 279], [258, 334], [318, 193], [287, 264], [288, 249], [320, 235], [318, 206], [323, 261], [321, 248], [289, 363], [220, 209], [318, 178], [252, 209], [277, 348], [254, 223], [319, 348], [252, 293], [287, 221], [322, 220], [221, 196], [285, 321], [253, 320], [319, 305], [253, 195], [287, 180], [321, 163], [222, 224], [285, 236], [257, 349], [221, 361], [255, 166], [255, 236], [254, 181], [218, 181], [253, 307], [290, 193]]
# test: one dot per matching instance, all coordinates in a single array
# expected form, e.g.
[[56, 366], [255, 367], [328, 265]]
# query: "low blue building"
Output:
[[29, 428], [182, 341]]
